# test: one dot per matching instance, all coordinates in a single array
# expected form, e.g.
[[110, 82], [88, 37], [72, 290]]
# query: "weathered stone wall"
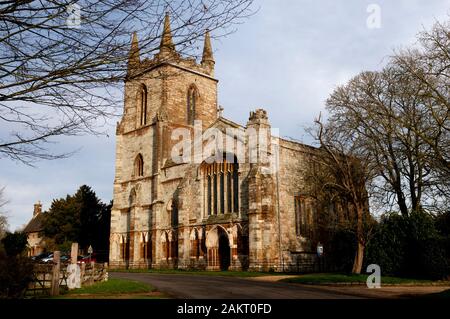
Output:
[[294, 164], [176, 86], [154, 84], [165, 208]]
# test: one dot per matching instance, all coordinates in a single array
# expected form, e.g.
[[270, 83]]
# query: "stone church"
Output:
[[227, 214]]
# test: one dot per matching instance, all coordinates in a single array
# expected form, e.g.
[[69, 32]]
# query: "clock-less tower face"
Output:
[[178, 89]]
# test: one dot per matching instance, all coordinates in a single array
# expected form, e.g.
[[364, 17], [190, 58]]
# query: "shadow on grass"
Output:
[[332, 278], [114, 289]]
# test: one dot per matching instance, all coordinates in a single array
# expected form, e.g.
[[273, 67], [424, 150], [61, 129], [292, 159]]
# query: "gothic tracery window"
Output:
[[221, 187], [191, 104]]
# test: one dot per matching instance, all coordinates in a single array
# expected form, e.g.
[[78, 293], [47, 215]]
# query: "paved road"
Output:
[[220, 287]]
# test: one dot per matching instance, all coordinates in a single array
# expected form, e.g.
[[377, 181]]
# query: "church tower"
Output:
[[162, 93]]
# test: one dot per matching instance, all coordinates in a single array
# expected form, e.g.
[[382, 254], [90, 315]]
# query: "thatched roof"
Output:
[[34, 225]]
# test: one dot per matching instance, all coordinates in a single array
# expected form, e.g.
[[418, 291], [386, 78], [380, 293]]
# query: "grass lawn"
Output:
[[114, 289], [199, 272], [328, 278]]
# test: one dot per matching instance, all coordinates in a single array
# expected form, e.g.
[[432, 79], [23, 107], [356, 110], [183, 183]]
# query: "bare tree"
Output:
[[402, 114], [61, 60], [429, 64], [388, 111], [343, 177]]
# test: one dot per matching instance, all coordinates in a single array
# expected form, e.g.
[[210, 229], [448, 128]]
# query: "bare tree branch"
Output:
[[58, 78]]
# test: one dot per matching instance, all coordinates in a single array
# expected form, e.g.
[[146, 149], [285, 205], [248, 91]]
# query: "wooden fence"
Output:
[[43, 274]]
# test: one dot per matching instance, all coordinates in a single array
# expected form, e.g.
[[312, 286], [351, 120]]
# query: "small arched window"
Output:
[[191, 104], [139, 166], [142, 105]]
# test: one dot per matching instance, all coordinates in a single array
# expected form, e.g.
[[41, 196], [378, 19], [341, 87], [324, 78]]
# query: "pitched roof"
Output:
[[226, 122], [34, 225]]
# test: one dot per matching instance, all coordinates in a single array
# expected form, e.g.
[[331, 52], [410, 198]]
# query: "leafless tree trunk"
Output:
[[3, 219], [361, 243], [60, 61]]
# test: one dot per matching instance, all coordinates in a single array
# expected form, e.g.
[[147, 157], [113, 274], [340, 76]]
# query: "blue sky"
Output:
[[287, 59]]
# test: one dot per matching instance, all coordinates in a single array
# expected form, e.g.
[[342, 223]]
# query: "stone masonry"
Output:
[[234, 214]]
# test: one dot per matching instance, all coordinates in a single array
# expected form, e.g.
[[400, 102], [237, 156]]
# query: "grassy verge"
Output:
[[199, 272], [112, 289], [318, 279]]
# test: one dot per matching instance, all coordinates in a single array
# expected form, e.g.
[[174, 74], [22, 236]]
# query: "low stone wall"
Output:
[[93, 272]]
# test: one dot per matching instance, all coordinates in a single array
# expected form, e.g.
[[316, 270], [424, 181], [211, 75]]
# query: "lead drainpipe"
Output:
[[277, 154]]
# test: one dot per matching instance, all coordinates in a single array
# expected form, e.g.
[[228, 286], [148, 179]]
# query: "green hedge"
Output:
[[410, 246]]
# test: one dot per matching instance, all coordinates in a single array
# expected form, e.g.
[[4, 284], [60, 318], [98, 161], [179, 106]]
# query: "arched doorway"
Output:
[[218, 246], [224, 251]]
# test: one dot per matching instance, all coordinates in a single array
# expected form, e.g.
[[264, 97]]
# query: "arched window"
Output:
[[139, 166], [191, 104], [221, 187], [195, 244], [142, 105]]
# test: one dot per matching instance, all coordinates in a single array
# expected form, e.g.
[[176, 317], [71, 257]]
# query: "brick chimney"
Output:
[[37, 209]]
